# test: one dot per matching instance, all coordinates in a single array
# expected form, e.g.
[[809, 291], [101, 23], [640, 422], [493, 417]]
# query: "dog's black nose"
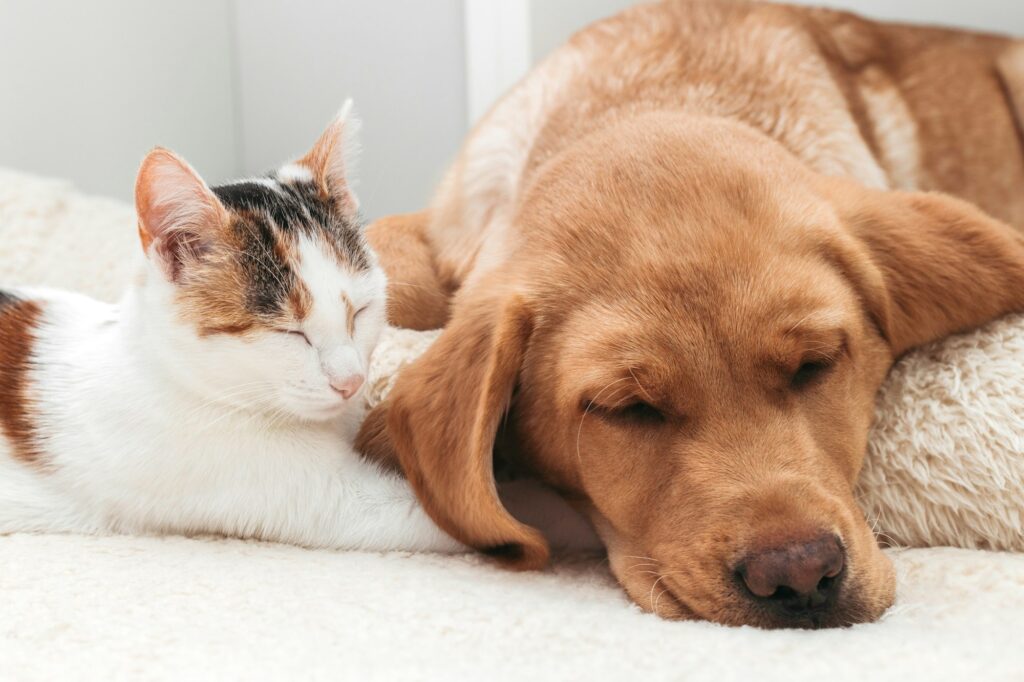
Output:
[[797, 579]]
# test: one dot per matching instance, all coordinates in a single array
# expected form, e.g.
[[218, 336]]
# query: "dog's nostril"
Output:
[[797, 577], [783, 593]]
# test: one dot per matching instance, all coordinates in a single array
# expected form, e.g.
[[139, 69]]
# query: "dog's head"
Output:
[[686, 341]]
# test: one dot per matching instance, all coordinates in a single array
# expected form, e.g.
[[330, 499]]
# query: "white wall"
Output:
[[86, 88], [553, 21], [237, 86], [402, 61], [1002, 16]]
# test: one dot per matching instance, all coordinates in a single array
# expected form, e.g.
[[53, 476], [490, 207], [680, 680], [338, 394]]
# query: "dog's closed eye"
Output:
[[636, 412], [810, 372]]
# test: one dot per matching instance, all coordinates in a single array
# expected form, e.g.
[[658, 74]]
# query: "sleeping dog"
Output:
[[674, 265]]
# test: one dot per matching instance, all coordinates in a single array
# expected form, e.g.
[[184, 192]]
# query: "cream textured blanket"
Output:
[[945, 466]]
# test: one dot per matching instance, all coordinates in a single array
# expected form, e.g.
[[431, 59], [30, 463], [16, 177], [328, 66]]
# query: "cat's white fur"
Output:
[[151, 430], [148, 427]]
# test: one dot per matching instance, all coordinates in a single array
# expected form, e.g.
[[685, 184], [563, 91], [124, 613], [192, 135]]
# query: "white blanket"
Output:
[[946, 465]]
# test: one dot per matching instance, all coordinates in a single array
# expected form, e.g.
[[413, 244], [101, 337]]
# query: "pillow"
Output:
[[945, 460], [51, 235]]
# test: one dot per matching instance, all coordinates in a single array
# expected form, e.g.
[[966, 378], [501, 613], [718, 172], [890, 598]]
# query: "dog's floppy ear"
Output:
[[929, 265], [443, 416]]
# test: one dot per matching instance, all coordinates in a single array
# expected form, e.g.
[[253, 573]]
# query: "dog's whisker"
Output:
[[650, 597], [631, 556], [641, 386], [586, 411], [658, 599]]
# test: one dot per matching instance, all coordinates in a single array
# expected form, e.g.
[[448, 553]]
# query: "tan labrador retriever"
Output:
[[675, 264]]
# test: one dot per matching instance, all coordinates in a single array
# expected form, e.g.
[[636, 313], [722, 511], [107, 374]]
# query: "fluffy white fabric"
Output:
[[128, 608], [945, 462], [51, 235], [946, 466]]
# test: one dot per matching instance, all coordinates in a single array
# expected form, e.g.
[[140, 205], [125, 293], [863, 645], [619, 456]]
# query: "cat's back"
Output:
[[20, 321], [36, 324], [31, 321]]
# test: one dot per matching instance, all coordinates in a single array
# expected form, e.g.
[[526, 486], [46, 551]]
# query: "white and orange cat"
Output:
[[221, 395]]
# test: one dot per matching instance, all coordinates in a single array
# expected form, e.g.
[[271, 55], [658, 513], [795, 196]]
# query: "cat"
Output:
[[221, 395]]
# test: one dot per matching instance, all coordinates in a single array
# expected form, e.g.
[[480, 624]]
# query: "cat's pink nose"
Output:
[[347, 386]]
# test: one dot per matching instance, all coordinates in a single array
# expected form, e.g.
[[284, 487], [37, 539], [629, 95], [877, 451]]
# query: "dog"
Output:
[[675, 263]]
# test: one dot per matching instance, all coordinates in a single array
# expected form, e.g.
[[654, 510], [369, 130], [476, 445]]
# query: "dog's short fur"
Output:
[[675, 264]]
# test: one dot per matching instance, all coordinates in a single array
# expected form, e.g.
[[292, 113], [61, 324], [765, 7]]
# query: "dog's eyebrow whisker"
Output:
[[616, 394], [793, 327], [829, 351], [586, 411], [640, 386]]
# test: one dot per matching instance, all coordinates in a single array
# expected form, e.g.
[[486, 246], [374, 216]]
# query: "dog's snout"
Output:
[[797, 578]]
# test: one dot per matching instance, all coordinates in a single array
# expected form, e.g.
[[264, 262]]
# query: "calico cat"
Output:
[[222, 394]]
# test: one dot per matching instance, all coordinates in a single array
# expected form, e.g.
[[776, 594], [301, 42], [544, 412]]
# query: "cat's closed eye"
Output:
[[297, 333]]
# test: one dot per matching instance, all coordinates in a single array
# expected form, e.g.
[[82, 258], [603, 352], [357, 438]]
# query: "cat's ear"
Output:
[[178, 213], [331, 158]]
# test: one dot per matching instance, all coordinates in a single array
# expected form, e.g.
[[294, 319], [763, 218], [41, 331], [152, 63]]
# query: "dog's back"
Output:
[[891, 106], [941, 109]]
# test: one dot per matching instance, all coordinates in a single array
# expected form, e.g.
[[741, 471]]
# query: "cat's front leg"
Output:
[[376, 510]]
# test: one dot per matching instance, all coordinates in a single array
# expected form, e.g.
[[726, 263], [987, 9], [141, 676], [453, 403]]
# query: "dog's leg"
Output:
[[417, 298]]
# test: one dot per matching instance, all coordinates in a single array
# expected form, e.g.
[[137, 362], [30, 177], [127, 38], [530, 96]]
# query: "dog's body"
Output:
[[681, 224], [890, 106]]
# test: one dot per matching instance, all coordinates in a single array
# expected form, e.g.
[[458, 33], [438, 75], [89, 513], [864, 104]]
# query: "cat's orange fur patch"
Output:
[[213, 298], [301, 300], [350, 314], [18, 319]]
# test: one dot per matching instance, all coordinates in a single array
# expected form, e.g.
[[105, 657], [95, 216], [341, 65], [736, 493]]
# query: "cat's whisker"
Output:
[[234, 412], [224, 399]]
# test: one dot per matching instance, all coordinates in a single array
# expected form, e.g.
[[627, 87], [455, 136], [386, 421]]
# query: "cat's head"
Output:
[[266, 293]]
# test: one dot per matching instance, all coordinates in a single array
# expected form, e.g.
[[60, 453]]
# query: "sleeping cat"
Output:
[[221, 395]]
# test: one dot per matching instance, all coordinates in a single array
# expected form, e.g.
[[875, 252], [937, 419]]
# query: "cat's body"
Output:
[[128, 451], [220, 395]]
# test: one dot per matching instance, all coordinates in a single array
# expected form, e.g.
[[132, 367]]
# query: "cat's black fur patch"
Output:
[[298, 206], [253, 197], [262, 211], [270, 278], [343, 229]]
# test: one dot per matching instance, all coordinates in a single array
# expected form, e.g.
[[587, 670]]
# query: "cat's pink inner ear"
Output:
[[178, 213], [329, 160]]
